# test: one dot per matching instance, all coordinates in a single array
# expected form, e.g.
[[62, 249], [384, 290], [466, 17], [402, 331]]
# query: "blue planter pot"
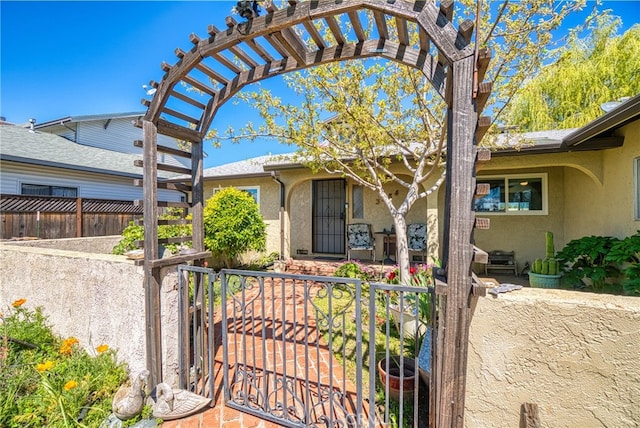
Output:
[[538, 280], [424, 357]]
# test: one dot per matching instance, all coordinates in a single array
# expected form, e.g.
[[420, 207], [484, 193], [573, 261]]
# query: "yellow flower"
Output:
[[19, 303], [102, 348], [67, 345], [43, 367], [70, 385]]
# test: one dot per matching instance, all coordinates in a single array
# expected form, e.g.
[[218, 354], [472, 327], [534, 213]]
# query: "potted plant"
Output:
[[546, 273], [399, 374], [412, 315]]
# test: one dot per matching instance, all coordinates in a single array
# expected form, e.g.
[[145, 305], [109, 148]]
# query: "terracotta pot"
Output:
[[407, 380]]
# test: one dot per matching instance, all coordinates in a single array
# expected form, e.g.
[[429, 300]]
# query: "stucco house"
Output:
[[574, 183], [33, 162]]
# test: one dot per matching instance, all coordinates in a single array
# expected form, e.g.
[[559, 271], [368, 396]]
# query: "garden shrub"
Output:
[[585, 262], [48, 381], [233, 225], [626, 253], [133, 233], [352, 269]]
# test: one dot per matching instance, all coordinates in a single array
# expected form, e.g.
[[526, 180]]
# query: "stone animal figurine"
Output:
[[176, 403], [129, 400]]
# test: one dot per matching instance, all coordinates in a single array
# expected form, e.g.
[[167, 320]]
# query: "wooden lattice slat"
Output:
[[315, 35], [333, 25], [403, 31], [381, 24], [357, 26]]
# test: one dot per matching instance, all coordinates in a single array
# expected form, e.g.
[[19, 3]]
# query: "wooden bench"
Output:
[[501, 260]]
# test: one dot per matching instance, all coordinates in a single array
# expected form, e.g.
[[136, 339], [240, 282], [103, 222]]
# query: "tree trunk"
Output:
[[402, 248]]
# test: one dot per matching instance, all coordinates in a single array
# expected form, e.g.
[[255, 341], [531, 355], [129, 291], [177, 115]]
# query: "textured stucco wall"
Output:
[[96, 244], [97, 298], [605, 208], [576, 355]]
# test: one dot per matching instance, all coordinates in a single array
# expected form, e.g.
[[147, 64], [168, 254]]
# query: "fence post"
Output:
[[79, 217]]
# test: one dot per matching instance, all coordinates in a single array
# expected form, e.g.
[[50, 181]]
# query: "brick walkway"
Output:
[[299, 367]]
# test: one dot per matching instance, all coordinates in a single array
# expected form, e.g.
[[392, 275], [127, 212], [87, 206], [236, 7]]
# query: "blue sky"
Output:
[[73, 58]]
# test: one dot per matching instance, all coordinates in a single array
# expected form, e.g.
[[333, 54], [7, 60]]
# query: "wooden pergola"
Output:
[[419, 34]]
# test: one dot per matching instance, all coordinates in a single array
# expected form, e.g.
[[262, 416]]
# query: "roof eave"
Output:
[[624, 113], [39, 162]]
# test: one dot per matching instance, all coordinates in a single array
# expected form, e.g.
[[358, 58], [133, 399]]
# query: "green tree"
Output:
[[379, 123], [590, 71], [233, 225]]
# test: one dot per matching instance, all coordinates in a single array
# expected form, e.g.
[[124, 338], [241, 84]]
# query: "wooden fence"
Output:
[[48, 217]]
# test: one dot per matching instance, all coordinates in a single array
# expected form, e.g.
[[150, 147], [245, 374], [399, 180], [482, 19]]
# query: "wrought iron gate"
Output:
[[295, 348]]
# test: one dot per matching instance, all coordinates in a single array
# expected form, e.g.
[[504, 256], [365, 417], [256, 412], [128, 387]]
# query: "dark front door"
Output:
[[329, 200]]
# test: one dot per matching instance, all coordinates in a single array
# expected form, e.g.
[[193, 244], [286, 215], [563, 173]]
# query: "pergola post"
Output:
[[453, 326], [152, 278]]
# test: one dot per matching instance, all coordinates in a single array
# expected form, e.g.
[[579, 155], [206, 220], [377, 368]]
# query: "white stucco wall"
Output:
[[576, 355], [97, 298]]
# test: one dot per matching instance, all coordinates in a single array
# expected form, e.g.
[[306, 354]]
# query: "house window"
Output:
[[254, 191], [514, 195], [636, 175], [357, 202], [42, 190]]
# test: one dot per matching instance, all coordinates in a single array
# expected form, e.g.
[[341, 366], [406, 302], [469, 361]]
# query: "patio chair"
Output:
[[417, 237], [360, 238]]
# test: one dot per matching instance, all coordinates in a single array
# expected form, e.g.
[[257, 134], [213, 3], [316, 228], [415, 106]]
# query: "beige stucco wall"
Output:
[[605, 208], [576, 355], [97, 298]]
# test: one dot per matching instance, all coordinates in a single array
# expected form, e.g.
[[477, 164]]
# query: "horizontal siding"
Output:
[[120, 135], [89, 185]]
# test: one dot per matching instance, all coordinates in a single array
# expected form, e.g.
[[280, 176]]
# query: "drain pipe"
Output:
[[274, 176]]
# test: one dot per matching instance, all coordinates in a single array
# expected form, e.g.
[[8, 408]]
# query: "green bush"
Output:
[[47, 381], [626, 253], [585, 262], [233, 225], [133, 233], [351, 269]]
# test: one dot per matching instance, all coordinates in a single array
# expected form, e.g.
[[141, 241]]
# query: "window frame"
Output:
[[248, 189], [353, 201], [50, 187], [506, 177], [636, 180]]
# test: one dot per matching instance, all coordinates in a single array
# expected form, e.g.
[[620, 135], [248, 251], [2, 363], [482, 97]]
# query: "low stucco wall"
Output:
[[97, 298], [576, 355], [96, 245]]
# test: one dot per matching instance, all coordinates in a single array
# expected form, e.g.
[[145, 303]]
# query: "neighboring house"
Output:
[[40, 163], [571, 182], [114, 132]]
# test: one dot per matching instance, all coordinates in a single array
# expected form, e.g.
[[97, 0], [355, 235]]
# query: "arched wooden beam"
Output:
[[433, 25]]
